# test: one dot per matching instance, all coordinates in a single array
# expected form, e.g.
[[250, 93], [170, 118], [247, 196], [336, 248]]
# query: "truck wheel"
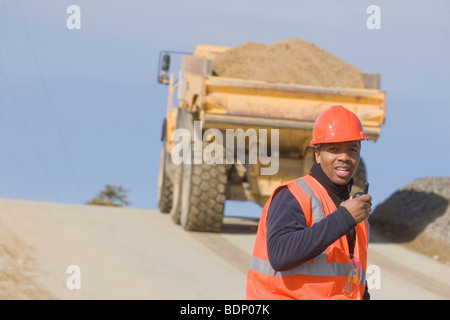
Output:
[[175, 211], [203, 194], [165, 186]]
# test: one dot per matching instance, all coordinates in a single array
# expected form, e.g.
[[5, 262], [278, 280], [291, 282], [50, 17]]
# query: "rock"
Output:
[[418, 213]]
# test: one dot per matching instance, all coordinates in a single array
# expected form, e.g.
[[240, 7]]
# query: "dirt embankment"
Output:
[[17, 270], [289, 61], [418, 216]]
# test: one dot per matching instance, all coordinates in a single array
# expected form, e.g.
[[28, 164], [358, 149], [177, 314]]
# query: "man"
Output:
[[312, 238]]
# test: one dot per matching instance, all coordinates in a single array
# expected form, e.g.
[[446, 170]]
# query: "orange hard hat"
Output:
[[337, 124]]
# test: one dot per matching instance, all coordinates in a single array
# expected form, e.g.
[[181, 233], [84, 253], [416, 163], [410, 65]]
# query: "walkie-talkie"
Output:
[[365, 191]]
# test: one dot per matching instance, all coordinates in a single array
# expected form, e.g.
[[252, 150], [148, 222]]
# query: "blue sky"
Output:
[[81, 108]]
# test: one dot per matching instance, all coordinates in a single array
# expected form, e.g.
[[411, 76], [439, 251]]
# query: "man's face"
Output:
[[339, 161]]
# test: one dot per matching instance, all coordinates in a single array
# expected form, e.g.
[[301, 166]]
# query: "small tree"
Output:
[[110, 195]]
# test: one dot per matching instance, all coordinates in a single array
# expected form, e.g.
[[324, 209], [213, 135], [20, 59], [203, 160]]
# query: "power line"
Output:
[[18, 169], [6, 146], [49, 101], [30, 136]]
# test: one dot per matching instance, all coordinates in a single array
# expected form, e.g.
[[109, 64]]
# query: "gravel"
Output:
[[419, 214]]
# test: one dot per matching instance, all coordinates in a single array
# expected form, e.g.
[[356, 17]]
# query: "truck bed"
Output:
[[247, 102]]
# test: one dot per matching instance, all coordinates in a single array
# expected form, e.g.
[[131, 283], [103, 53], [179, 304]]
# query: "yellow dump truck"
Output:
[[234, 139]]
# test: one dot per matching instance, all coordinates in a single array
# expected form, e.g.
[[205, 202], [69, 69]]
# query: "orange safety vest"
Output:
[[323, 277]]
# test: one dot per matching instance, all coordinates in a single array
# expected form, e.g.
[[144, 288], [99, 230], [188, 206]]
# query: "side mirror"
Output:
[[163, 73], [166, 63]]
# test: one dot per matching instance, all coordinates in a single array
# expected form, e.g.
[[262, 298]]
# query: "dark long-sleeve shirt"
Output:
[[290, 242]]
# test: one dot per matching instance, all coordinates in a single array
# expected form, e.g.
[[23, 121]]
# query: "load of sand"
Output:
[[290, 61]]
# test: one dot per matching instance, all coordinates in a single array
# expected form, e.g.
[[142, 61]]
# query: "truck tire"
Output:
[[165, 186], [175, 211], [203, 194]]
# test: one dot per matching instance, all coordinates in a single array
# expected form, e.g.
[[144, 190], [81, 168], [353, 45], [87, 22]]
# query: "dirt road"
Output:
[[119, 253]]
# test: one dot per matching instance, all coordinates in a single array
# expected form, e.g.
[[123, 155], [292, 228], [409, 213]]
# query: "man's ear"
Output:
[[317, 154]]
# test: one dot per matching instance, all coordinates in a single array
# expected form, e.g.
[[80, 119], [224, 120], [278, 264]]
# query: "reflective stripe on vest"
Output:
[[319, 267], [316, 205]]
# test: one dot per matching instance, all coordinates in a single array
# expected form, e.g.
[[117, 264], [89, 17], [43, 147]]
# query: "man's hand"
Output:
[[359, 208]]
